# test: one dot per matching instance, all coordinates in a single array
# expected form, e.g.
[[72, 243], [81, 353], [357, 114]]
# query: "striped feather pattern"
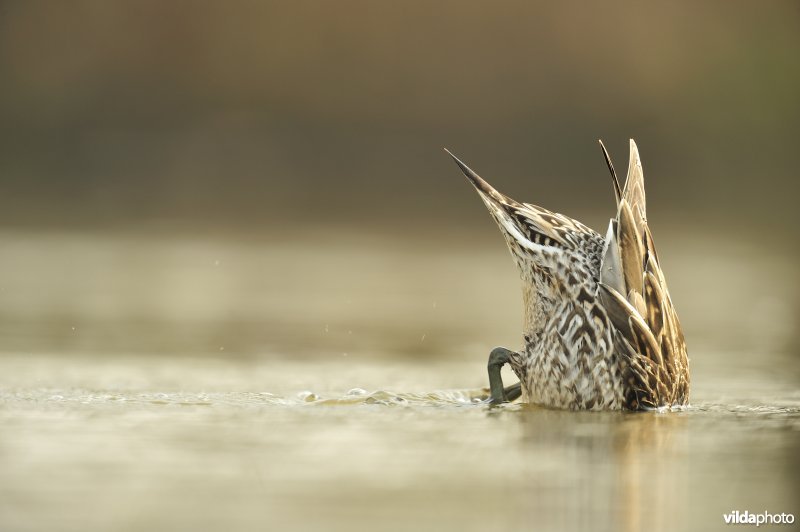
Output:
[[600, 329]]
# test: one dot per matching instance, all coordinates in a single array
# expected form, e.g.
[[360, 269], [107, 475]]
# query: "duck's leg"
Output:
[[513, 392], [497, 359]]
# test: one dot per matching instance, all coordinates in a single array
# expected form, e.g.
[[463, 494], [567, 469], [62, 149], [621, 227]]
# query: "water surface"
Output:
[[157, 384], [187, 445]]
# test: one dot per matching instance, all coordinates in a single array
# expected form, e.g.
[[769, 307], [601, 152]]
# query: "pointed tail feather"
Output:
[[528, 224], [617, 189], [633, 192], [484, 188]]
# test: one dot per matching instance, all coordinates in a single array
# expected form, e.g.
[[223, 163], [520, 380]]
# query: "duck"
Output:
[[600, 331]]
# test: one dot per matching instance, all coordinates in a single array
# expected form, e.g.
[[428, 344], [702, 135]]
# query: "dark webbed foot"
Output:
[[497, 359]]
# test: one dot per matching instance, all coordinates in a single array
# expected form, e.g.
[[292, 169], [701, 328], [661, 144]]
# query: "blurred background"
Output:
[[265, 116], [216, 218], [187, 177]]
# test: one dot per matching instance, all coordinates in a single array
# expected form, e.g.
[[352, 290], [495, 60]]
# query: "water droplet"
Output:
[[422, 339], [357, 391], [307, 396]]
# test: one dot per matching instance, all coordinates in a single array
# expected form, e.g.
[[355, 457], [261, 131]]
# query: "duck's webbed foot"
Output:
[[497, 359]]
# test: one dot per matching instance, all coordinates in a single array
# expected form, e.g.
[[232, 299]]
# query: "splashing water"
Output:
[[187, 445]]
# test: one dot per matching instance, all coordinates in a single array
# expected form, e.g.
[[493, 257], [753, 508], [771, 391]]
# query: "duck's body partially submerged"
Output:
[[600, 329]]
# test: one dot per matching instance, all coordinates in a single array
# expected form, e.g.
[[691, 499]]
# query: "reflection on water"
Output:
[[158, 384], [615, 471]]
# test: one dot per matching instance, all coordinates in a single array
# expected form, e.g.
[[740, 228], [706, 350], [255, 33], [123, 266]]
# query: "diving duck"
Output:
[[600, 329]]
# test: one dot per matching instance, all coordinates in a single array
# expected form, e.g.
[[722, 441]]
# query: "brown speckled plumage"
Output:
[[600, 330]]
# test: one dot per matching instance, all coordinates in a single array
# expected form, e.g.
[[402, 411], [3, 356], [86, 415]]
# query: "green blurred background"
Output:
[[262, 115], [269, 176]]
